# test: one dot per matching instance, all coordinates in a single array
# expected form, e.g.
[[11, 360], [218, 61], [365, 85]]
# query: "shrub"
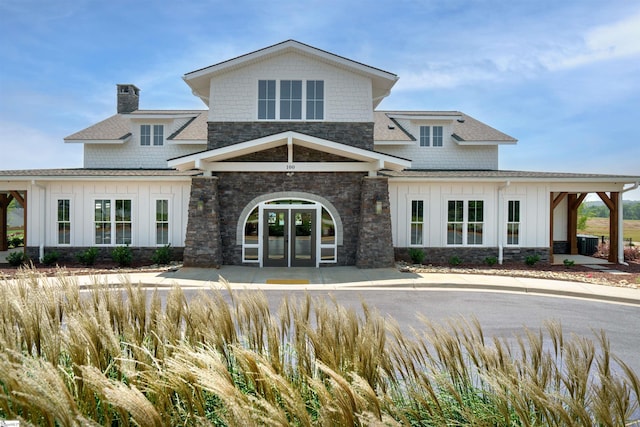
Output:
[[122, 255], [491, 261], [417, 255], [455, 260], [88, 257], [50, 258], [15, 241], [531, 260], [162, 256], [631, 253], [16, 258], [569, 263]]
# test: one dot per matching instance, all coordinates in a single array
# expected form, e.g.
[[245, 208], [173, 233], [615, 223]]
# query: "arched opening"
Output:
[[289, 232]]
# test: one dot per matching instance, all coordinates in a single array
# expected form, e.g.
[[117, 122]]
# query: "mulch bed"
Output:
[[576, 273]]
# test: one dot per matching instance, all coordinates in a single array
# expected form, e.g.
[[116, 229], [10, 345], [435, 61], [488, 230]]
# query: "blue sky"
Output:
[[560, 76]]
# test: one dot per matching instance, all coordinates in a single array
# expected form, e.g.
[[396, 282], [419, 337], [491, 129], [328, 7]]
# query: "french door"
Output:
[[289, 237]]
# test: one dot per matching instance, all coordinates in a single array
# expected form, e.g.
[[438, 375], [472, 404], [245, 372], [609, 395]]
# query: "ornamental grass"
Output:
[[126, 356]]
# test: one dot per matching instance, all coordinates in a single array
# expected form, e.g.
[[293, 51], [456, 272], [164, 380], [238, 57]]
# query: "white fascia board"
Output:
[[394, 142], [559, 181], [424, 117], [98, 141], [478, 143], [162, 116], [271, 141], [88, 178], [186, 141], [291, 167]]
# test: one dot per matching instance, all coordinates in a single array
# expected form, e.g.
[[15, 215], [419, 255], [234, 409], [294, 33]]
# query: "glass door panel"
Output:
[[276, 236], [303, 230]]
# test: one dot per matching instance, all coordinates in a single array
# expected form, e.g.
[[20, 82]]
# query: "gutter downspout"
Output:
[[501, 221], [621, 223], [43, 223]]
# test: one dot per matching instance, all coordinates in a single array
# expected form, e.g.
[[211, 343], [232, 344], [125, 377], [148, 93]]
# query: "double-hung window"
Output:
[[513, 222], [112, 225], [417, 222], [465, 226], [431, 136], [64, 222], [162, 222], [151, 134], [266, 99]]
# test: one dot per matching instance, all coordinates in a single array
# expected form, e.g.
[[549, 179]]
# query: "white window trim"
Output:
[[465, 221], [303, 106], [152, 134], [410, 200], [506, 222], [112, 220], [54, 228], [431, 136]]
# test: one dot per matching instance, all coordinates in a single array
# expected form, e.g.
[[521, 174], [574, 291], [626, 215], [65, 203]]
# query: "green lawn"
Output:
[[600, 227]]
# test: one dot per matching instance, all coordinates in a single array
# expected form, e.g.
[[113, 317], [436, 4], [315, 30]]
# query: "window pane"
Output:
[[417, 207], [252, 228], [63, 210], [454, 234], [424, 136], [328, 254], [158, 134], [514, 211], [437, 136], [455, 213], [474, 234], [315, 99], [267, 99], [513, 232], [64, 233], [416, 234], [328, 229], [291, 99], [251, 254], [123, 233], [145, 134], [123, 210], [162, 233], [475, 211], [103, 233], [162, 210]]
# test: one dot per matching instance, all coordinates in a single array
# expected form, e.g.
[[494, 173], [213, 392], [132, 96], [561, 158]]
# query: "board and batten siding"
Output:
[[43, 199], [234, 95], [534, 211]]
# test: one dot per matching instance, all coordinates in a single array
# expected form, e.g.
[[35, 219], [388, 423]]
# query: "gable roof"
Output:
[[370, 160], [200, 80]]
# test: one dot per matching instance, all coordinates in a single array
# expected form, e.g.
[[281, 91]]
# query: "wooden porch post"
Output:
[[573, 204], [554, 202], [614, 232], [4, 203]]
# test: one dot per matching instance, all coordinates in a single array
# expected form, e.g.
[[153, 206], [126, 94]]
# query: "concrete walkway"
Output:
[[345, 278]]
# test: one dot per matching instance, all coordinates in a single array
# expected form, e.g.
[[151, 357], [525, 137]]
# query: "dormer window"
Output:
[[151, 134], [431, 136], [291, 94]]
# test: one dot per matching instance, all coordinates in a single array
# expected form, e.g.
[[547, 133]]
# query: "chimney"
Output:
[[128, 98]]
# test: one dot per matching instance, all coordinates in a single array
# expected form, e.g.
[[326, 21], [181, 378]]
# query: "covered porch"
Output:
[[6, 197], [564, 222]]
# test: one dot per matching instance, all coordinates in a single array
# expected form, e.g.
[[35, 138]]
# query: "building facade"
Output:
[[291, 164]]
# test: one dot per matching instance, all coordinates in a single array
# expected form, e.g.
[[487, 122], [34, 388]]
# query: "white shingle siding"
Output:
[[347, 95], [449, 156], [133, 155]]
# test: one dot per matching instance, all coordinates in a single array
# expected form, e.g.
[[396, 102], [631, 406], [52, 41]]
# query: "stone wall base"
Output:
[[69, 254], [473, 255]]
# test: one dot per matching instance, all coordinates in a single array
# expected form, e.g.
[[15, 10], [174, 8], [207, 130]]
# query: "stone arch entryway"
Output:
[[289, 229]]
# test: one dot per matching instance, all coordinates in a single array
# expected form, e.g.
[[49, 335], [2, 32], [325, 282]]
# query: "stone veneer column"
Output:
[[375, 244], [203, 245]]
